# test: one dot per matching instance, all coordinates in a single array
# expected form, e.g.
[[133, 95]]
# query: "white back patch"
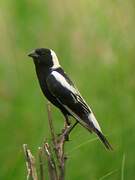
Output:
[[55, 60], [94, 121], [61, 79]]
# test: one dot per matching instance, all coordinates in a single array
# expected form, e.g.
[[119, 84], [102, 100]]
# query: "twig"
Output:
[[59, 144], [41, 164], [61, 152], [54, 154], [52, 131], [51, 163], [30, 163]]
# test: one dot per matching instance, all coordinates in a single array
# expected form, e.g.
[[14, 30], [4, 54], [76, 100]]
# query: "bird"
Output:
[[60, 90]]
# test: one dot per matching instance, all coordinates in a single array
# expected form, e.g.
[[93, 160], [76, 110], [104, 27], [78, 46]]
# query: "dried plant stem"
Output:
[[51, 163], [41, 164], [58, 145], [52, 154], [30, 164]]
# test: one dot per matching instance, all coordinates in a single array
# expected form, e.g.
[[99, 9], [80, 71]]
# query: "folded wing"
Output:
[[70, 98], [66, 93]]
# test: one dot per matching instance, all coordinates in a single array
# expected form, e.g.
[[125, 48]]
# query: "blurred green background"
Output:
[[95, 43]]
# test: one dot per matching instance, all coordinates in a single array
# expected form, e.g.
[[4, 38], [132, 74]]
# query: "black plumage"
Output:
[[60, 91]]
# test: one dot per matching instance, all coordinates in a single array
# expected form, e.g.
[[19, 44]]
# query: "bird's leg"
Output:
[[72, 127], [69, 130], [67, 122]]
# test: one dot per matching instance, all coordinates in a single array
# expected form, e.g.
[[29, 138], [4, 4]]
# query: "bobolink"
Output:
[[60, 91]]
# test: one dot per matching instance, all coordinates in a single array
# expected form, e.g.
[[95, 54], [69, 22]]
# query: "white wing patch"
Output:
[[55, 60], [94, 121], [63, 81]]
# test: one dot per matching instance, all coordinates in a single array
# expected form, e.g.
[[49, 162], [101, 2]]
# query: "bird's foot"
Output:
[[66, 137], [65, 132]]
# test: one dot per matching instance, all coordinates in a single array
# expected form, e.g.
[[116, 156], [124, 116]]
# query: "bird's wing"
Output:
[[70, 98]]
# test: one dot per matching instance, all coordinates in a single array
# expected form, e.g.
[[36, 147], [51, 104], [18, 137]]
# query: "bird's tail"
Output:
[[94, 126], [100, 135], [103, 139]]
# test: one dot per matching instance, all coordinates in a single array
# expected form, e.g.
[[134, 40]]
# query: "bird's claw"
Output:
[[66, 136]]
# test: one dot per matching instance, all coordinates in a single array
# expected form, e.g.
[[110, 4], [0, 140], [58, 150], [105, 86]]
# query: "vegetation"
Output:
[[95, 42]]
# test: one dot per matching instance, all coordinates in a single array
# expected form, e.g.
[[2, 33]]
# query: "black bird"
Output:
[[60, 91]]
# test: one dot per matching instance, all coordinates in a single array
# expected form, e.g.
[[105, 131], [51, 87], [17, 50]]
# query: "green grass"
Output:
[[95, 42]]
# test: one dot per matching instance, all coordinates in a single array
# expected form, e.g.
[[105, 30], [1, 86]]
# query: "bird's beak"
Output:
[[33, 55]]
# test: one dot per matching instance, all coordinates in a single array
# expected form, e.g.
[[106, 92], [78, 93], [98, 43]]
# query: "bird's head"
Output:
[[46, 57]]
